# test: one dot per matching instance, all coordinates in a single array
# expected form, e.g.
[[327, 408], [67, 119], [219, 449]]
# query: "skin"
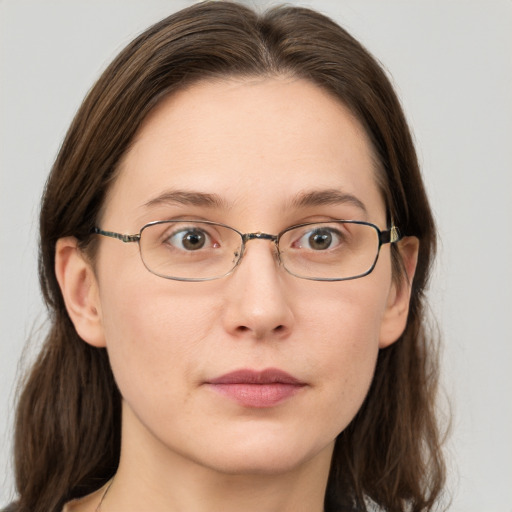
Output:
[[257, 144]]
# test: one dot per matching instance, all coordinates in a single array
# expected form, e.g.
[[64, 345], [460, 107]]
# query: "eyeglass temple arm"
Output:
[[118, 236], [390, 236]]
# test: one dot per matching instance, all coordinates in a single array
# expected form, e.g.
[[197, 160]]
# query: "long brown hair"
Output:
[[67, 439]]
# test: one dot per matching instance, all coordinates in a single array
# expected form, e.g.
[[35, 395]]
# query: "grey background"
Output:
[[451, 61]]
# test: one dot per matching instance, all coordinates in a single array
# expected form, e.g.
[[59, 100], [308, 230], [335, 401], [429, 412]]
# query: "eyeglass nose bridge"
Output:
[[258, 236]]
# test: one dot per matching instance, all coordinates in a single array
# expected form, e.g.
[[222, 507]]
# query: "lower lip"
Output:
[[257, 395]]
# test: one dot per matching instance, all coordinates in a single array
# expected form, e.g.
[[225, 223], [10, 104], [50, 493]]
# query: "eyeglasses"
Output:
[[190, 250]]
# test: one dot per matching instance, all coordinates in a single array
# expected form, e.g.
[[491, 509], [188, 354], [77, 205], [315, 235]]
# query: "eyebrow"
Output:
[[186, 198], [328, 197], [313, 198]]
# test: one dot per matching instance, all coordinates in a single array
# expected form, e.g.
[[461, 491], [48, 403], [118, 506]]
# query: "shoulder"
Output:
[[13, 507]]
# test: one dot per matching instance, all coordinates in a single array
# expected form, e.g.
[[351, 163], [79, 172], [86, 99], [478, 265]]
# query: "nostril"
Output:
[[276, 330]]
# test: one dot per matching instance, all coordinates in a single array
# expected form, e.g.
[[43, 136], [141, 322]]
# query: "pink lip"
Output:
[[258, 389]]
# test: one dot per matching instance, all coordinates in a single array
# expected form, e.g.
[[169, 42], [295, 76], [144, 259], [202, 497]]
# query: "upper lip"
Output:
[[247, 376]]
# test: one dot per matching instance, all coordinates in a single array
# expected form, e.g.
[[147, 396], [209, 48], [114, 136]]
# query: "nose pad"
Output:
[[239, 255], [276, 251]]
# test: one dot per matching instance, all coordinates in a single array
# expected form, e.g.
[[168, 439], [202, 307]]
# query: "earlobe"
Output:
[[79, 289], [397, 309]]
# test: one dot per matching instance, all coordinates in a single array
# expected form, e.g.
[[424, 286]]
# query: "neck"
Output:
[[153, 477], [251, 493]]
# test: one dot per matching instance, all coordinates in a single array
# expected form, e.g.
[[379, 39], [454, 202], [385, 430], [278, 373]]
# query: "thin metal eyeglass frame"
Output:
[[389, 236]]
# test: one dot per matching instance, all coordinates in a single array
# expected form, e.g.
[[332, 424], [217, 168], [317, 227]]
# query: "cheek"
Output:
[[345, 329], [153, 334]]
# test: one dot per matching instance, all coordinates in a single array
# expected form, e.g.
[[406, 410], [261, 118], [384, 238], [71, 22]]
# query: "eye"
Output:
[[190, 239], [319, 239]]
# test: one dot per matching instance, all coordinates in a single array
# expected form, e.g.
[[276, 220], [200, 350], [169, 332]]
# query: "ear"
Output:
[[79, 289], [397, 308]]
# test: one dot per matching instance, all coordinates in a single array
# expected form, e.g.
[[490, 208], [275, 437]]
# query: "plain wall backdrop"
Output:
[[451, 62]]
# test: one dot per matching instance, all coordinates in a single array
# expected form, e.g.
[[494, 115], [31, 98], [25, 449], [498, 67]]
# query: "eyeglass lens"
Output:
[[194, 250]]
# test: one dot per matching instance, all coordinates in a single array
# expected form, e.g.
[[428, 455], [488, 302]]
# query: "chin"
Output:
[[265, 457]]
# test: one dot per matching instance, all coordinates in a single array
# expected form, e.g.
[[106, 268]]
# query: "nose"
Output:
[[258, 301]]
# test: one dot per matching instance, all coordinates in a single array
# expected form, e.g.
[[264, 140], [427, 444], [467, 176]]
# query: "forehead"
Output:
[[253, 143]]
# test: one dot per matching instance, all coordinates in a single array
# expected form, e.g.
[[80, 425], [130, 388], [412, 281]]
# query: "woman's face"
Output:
[[258, 147]]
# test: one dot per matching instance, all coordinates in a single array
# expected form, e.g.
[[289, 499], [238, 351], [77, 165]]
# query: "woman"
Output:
[[235, 241]]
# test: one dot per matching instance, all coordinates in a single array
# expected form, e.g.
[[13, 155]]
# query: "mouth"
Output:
[[257, 389]]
